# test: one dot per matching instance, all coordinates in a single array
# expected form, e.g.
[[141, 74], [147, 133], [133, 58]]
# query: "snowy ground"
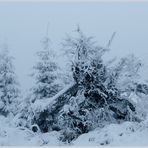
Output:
[[12, 136], [125, 134]]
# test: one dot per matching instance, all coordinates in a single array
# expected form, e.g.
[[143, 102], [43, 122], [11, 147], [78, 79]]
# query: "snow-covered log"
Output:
[[46, 110]]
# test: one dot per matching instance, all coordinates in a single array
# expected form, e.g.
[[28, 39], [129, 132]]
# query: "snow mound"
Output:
[[125, 134], [12, 136]]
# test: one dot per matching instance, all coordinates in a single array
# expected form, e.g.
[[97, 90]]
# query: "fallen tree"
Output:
[[45, 111]]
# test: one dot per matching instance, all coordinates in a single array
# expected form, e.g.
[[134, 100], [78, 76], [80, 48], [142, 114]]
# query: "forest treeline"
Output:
[[89, 94]]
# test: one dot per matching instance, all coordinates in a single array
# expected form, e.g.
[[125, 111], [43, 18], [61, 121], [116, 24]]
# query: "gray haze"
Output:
[[23, 25]]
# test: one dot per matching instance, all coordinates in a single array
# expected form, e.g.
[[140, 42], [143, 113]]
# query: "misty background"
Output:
[[23, 25]]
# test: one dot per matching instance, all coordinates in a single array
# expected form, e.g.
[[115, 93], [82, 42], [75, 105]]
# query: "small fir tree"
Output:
[[45, 74], [9, 91]]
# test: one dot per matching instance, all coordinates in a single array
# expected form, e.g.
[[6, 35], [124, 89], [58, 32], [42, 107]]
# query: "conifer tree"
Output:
[[9, 91], [98, 98], [45, 74]]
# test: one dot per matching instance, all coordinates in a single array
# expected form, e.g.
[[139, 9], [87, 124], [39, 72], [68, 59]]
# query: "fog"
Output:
[[23, 25]]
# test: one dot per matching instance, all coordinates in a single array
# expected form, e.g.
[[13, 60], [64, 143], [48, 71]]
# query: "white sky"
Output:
[[23, 25]]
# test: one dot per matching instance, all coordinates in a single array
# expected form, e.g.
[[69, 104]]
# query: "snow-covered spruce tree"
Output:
[[9, 91], [98, 96], [126, 73], [129, 83], [88, 71], [81, 50], [46, 83]]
